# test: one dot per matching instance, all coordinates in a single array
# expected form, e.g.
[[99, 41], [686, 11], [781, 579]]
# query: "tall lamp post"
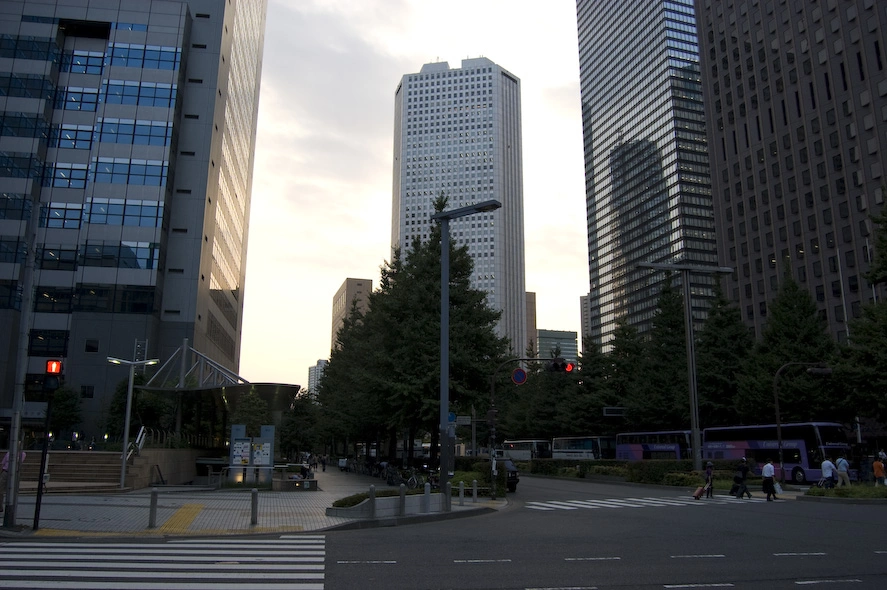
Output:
[[813, 369], [686, 270], [132, 370], [444, 217]]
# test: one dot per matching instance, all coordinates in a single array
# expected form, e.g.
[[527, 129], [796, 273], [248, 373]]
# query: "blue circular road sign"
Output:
[[519, 376]]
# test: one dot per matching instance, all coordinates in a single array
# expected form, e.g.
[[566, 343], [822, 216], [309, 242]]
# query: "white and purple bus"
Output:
[[666, 444], [804, 445], [583, 447]]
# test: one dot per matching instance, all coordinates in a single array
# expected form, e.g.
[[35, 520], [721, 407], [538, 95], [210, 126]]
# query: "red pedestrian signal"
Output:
[[560, 365], [54, 367]]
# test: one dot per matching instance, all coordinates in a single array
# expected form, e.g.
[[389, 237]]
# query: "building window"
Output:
[[48, 343], [92, 345]]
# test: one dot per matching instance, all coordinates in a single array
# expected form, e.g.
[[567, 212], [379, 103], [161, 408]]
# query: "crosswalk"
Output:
[[636, 502], [291, 562]]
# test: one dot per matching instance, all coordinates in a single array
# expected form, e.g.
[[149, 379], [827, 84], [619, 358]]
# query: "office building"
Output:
[[796, 109], [457, 132], [127, 143], [531, 323], [315, 374], [648, 194], [353, 292], [557, 343]]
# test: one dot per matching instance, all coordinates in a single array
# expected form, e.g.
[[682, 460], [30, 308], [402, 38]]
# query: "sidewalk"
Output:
[[182, 511]]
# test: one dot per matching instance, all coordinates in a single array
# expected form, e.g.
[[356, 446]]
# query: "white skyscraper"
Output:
[[458, 132]]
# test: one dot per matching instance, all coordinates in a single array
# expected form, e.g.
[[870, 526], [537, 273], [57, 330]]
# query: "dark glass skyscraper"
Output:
[[127, 145], [648, 196], [796, 104]]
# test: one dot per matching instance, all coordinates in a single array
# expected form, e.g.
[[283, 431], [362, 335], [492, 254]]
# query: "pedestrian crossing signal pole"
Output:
[[51, 382]]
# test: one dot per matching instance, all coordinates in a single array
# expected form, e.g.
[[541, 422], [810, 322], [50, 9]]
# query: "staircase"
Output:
[[73, 471]]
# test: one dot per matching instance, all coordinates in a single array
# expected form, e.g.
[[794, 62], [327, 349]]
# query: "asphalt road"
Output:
[[562, 534]]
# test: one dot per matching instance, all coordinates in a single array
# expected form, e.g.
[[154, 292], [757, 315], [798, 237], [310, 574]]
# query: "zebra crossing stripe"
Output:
[[631, 503]]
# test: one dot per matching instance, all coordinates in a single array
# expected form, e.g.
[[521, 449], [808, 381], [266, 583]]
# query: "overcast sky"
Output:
[[321, 200]]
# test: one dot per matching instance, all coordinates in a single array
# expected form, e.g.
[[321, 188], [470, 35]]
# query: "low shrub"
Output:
[[356, 499], [853, 491]]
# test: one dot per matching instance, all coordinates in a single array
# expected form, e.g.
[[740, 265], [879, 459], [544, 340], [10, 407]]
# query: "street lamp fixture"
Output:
[[444, 217], [813, 369], [132, 368], [686, 270]]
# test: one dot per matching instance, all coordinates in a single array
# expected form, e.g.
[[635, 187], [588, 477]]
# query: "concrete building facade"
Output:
[[457, 132], [352, 292], [796, 111]]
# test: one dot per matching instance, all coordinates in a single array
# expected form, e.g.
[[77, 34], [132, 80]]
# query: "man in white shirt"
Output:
[[828, 473], [767, 474], [843, 468]]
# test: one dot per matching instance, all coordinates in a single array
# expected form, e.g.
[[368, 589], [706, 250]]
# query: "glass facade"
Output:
[[648, 193], [139, 199], [458, 133]]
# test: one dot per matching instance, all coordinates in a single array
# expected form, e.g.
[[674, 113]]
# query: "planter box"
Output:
[[293, 485]]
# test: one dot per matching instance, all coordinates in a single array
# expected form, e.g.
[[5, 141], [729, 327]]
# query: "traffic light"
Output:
[[560, 365], [51, 378]]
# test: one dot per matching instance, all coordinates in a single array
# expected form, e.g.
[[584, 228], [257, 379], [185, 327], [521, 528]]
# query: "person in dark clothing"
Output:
[[709, 479], [739, 479]]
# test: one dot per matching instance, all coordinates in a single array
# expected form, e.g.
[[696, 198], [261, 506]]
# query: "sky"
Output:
[[321, 198]]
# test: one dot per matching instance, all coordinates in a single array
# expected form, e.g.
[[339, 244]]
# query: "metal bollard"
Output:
[[372, 499], [461, 493], [474, 491], [152, 512], [254, 517], [448, 498], [402, 505]]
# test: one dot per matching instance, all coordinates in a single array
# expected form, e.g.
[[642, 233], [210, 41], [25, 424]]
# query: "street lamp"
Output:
[[813, 369], [444, 217], [686, 269], [132, 369]]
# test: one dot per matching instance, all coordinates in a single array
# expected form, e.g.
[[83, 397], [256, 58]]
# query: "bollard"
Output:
[[402, 506], [474, 491], [448, 497], [152, 513], [372, 499], [426, 499], [254, 517], [461, 493]]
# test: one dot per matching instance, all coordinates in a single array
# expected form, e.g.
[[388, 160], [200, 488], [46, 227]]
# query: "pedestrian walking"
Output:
[[323, 462], [828, 473], [767, 478], [843, 470], [878, 470], [709, 479], [4, 477], [739, 479]]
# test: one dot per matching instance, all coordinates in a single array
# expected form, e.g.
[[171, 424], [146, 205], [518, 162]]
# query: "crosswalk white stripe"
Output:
[[222, 565], [631, 503]]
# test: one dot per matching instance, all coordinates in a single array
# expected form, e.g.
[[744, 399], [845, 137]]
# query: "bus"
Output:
[[583, 447], [666, 444], [524, 450], [804, 446]]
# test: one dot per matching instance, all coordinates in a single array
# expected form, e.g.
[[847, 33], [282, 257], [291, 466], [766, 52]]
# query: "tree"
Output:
[[623, 375], [66, 412], [300, 431], [795, 333], [252, 411], [723, 347]]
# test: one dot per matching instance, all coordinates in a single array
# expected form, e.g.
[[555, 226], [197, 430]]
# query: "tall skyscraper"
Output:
[[127, 144], [457, 132], [796, 109], [562, 342], [647, 187]]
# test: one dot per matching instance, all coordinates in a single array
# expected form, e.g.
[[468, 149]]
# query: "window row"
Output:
[[28, 47], [130, 92], [26, 86], [144, 56], [137, 255], [106, 170], [125, 212]]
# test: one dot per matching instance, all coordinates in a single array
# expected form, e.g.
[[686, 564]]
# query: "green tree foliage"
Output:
[[877, 273], [151, 409], [384, 373], [723, 347], [300, 431], [66, 412], [664, 401], [625, 374], [794, 333], [252, 411]]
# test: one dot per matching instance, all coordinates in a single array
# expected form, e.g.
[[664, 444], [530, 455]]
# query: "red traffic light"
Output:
[[559, 365], [53, 367], [568, 367]]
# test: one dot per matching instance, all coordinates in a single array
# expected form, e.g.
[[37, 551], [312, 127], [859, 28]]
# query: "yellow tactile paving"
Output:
[[181, 520]]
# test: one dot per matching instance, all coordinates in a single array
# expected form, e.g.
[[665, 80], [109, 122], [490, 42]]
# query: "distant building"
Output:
[[531, 323], [352, 292], [315, 374], [457, 132], [552, 340]]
